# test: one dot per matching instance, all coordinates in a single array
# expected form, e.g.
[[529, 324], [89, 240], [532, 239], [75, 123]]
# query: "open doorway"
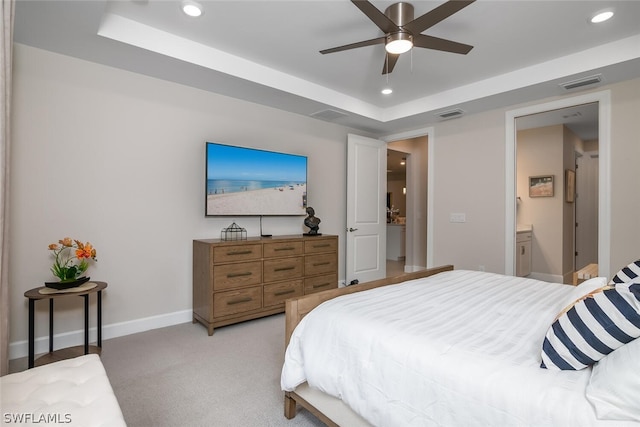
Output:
[[556, 229], [396, 211], [603, 101], [414, 151], [365, 244]]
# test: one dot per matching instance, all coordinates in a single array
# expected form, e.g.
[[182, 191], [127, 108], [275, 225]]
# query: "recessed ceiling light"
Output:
[[191, 8], [387, 91], [601, 16]]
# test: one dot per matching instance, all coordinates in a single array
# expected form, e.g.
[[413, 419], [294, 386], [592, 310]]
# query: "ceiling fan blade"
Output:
[[436, 43], [377, 17], [436, 15], [389, 62], [371, 42]]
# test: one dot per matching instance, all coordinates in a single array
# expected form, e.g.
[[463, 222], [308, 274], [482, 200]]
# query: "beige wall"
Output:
[[625, 152], [469, 177], [117, 158]]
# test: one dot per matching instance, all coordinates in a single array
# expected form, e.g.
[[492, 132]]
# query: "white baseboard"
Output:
[[70, 339]]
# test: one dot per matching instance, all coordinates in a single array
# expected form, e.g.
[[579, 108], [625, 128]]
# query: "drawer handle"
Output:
[[288, 248], [284, 268], [317, 264], [232, 275], [289, 291], [326, 245], [239, 301], [239, 252], [321, 285]]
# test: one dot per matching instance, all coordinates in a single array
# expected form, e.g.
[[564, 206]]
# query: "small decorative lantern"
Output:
[[233, 232]]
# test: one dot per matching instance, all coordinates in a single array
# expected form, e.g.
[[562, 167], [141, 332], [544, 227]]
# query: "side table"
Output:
[[34, 294]]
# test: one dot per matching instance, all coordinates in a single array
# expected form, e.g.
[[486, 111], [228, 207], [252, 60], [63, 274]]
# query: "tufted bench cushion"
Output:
[[73, 392]]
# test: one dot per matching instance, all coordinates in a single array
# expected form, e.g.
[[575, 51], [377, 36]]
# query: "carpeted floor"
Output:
[[180, 376]]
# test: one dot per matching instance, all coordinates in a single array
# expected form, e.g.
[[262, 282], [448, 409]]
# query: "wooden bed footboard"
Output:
[[297, 308]]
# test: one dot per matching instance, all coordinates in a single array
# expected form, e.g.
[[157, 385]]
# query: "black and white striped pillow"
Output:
[[627, 274], [593, 327]]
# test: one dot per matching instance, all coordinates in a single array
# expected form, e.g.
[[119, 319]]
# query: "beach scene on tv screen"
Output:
[[243, 181]]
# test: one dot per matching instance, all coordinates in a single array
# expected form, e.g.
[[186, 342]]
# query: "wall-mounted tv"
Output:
[[248, 181]]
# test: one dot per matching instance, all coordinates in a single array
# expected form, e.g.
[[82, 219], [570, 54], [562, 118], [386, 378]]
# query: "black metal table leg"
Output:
[[31, 332], [86, 324], [51, 325], [99, 343]]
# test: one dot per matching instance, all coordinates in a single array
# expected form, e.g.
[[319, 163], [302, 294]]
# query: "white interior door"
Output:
[[366, 209]]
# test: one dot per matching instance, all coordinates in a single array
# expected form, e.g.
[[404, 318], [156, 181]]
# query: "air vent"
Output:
[[572, 116], [450, 114], [585, 81], [329, 115]]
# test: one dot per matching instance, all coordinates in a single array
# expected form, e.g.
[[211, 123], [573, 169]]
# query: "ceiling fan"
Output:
[[402, 31]]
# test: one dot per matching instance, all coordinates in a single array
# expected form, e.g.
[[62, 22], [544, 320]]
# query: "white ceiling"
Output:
[[267, 52]]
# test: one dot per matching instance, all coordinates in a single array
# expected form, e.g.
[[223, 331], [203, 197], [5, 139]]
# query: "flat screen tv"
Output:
[[248, 181]]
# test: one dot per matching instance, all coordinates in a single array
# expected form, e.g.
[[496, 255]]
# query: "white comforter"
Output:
[[460, 348]]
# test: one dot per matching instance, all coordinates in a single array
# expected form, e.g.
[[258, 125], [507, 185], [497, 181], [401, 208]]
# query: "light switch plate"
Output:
[[457, 217]]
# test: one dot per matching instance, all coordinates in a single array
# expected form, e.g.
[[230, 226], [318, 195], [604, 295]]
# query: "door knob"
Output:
[[352, 229]]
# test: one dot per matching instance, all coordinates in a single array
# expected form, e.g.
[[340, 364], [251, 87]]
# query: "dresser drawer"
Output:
[[228, 276], [277, 293], [237, 301], [318, 244], [282, 268], [279, 249], [232, 253], [319, 264], [320, 283]]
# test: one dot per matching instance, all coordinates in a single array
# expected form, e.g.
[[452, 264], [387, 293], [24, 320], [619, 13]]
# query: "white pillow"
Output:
[[583, 289], [615, 382]]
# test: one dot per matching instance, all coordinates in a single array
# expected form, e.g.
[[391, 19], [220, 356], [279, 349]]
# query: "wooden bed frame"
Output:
[[297, 308]]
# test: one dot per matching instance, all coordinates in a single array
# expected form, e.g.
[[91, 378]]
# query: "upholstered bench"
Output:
[[73, 392]]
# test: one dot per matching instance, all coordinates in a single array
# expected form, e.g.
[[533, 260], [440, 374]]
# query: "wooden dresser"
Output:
[[238, 280]]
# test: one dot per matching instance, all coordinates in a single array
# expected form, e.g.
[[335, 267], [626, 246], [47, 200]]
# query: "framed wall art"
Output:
[[541, 186]]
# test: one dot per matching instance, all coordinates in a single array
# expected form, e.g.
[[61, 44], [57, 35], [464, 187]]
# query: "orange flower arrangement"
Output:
[[66, 251]]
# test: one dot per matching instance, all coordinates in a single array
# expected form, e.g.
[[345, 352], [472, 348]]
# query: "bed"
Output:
[[449, 347], [73, 392]]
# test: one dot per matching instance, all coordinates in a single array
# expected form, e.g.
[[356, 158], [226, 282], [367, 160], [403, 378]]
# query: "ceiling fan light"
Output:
[[191, 8], [398, 43]]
